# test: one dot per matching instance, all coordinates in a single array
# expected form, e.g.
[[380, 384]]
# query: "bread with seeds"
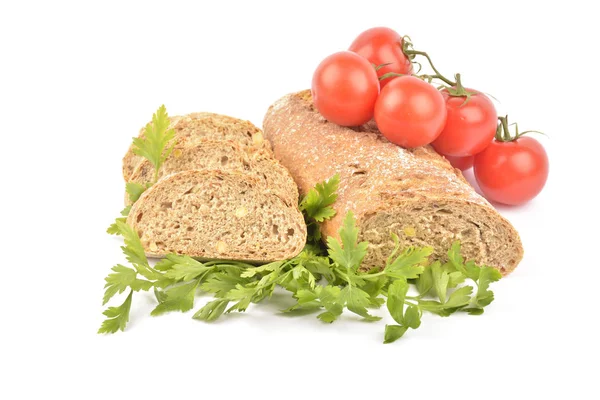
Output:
[[414, 193], [217, 214], [192, 128], [224, 155]]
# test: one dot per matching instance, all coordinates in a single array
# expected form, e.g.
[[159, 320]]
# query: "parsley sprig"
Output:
[[156, 145], [325, 281]]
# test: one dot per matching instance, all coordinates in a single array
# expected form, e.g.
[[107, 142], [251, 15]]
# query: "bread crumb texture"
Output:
[[217, 214]]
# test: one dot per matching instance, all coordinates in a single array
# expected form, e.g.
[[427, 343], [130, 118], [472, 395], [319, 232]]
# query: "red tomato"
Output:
[[382, 46], [344, 89], [462, 163], [512, 172], [470, 127], [410, 112]]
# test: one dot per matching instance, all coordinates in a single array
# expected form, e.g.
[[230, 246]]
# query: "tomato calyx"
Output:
[[503, 133]]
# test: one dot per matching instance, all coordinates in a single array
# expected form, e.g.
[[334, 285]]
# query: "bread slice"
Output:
[[217, 214], [225, 155], [192, 128], [415, 193]]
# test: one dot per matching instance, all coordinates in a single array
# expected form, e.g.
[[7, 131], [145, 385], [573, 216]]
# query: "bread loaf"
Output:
[[413, 193], [224, 155], [192, 128], [217, 214]]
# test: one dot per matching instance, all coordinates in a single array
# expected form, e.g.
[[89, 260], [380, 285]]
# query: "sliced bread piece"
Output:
[[217, 214], [191, 128], [225, 155], [415, 194]]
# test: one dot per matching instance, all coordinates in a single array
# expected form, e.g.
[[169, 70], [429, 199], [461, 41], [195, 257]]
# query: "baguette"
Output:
[[414, 193], [217, 214], [225, 155], [192, 128]]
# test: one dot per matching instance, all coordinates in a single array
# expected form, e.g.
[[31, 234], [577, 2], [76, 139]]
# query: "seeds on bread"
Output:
[[217, 214], [191, 128], [224, 155]]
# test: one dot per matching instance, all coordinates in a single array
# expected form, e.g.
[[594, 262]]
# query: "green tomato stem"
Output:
[[438, 75]]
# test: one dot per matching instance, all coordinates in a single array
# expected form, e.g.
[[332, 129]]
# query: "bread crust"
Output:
[[195, 126], [378, 176], [208, 154]]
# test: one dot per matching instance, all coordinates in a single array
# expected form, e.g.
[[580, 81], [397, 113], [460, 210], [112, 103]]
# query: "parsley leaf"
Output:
[[157, 143], [177, 298], [117, 317], [317, 202], [394, 332], [352, 253], [485, 296], [134, 191], [184, 268], [120, 280], [212, 310]]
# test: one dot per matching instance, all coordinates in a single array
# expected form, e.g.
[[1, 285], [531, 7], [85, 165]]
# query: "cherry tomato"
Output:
[[344, 89], [382, 46], [410, 112], [470, 127], [462, 163], [512, 172]]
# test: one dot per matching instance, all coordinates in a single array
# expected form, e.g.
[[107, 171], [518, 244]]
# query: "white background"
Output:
[[78, 80]]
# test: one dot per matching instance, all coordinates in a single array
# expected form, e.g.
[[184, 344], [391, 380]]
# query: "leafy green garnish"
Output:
[[325, 283], [316, 206], [157, 143]]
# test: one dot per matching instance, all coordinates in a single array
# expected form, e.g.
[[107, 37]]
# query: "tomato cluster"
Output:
[[374, 79]]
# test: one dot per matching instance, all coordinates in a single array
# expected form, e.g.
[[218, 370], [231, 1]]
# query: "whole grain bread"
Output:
[[217, 214], [192, 128], [414, 193], [224, 155]]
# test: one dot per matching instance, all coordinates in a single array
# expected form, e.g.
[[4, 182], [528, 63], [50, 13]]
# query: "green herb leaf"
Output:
[[120, 280], [484, 296], [352, 253], [412, 317], [212, 310], [177, 298], [157, 143], [440, 280], [425, 282], [221, 283], [393, 333], [185, 268], [395, 300], [135, 190], [456, 259], [117, 317], [357, 301], [113, 229], [329, 296], [459, 298], [317, 202], [407, 265]]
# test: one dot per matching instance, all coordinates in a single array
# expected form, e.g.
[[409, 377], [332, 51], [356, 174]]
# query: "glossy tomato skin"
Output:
[[462, 163], [344, 89], [410, 112], [470, 127], [512, 172], [381, 46]]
